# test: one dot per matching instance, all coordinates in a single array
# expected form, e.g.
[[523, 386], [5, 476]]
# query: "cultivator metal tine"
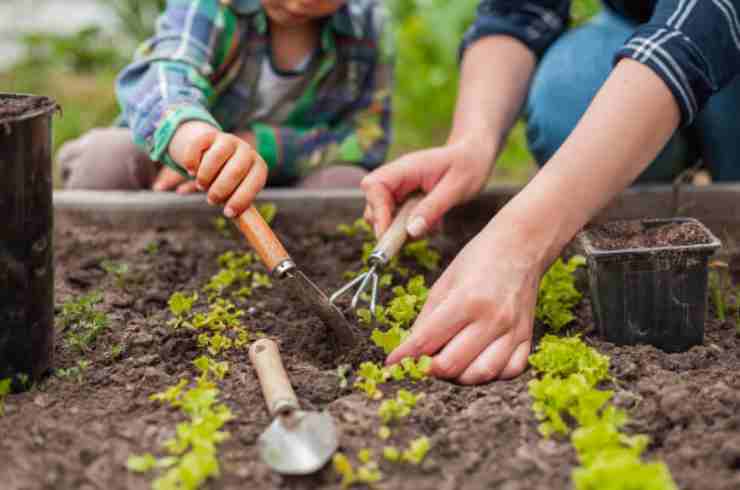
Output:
[[346, 287], [361, 289], [366, 278], [374, 294]]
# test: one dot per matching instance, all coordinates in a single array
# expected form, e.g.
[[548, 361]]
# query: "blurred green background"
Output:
[[79, 69]]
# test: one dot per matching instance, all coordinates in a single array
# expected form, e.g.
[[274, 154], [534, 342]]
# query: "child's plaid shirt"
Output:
[[204, 63]]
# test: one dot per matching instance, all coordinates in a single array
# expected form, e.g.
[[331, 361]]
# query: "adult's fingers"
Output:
[[490, 362], [245, 194], [232, 174], [426, 338], [380, 204], [445, 194], [464, 348], [518, 361], [213, 161]]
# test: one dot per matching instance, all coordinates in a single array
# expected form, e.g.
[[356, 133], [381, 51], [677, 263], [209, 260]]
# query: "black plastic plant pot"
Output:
[[26, 254], [651, 295]]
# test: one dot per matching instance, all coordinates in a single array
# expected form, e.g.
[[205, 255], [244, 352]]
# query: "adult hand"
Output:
[[448, 174], [477, 321]]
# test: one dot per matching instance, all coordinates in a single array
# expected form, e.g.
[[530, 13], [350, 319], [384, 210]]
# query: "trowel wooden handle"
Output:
[[259, 234], [395, 236], [276, 388]]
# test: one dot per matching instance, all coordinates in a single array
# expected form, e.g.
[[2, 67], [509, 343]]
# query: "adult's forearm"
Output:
[[630, 120], [494, 81]]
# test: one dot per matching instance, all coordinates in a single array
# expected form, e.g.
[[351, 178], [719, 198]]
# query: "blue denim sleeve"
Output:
[[536, 23], [693, 46]]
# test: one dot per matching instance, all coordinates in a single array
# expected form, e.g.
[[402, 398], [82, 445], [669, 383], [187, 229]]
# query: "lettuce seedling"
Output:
[[83, 320], [180, 306], [603, 434], [424, 255], [558, 294], [398, 408], [119, 271], [268, 211], [419, 369], [400, 314], [359, 227], [4, 390], [391, 454], [384, 432], [563, 356], [417, 451], [367, 473], [622, 470], [369, 376], [556, 397], [390, 339]]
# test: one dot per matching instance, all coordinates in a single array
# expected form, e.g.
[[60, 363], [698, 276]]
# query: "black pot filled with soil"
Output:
[[26, 265], [648, 280]]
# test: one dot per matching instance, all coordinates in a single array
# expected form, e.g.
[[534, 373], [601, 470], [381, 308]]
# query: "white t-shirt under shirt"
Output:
[[278, 92]]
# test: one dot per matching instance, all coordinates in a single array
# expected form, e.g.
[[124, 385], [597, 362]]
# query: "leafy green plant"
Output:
[[558, 294], [359, 227], [180, 306], [424, 255], [119, 271], [416, 451], [83, 321], [622, 470], [152, 248], [222, 227], [400, 314], [370, 375], [563, 356], [76, 372], [4, 390], [192, 452], [367, 473], [398, 408], [268, 211]]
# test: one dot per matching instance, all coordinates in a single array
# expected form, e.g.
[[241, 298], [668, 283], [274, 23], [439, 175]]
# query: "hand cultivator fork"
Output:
[[387, 248]]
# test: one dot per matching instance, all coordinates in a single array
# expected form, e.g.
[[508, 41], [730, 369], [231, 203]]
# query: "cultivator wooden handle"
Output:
[[259, 234], [395, 236], [276, 388]]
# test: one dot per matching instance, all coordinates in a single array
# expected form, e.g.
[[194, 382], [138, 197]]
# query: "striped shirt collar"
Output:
[[343, 21]]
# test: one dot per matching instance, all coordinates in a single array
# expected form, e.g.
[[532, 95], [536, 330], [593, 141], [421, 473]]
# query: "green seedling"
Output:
[[4, 391], [359, 227], [76, 372], [369, 376], [268, 211], [416, 451], [119, 270], [152, 248], [398, 408], [342, 371], [622, 470], [400, 314], [115, 351], [83, 321], [221, 225], [424, 255], [367, 473], [392, 454], [180, 306], [563, 356], [192, 452], [558, 295], [384, 432]]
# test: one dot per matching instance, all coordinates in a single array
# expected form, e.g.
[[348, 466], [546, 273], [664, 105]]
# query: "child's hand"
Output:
[[168, 180], [223, 164]]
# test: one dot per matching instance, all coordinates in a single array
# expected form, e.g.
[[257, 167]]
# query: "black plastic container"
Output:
[[26, 253], [654, 296]]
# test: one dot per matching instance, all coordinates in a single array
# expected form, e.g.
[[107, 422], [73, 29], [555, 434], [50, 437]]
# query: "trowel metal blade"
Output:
[[301, 447], [324, 309]]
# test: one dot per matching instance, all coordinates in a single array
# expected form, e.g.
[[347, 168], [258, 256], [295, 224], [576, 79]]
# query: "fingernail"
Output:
[[417, 226], [211, 201], [158, 187], [229, 213], [199, 186]]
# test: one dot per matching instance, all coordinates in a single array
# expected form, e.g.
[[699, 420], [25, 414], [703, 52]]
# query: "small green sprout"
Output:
[[369, 376], [367, 473], [359, 227], [558, 295], [384, 432], [152, 248], [398, 408], [424, 255], [119, 271], [4, 390], [342, 371], [563, 356], [222, 227], [391, 454], [417, 451], [268, 211], [74, 371], [115, 351], [83, 321]]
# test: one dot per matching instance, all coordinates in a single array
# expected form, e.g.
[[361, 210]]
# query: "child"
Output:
[[237, 93]]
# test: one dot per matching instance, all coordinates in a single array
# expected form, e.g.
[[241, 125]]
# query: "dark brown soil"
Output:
[[13, 106], [68, 435], [636, 234]]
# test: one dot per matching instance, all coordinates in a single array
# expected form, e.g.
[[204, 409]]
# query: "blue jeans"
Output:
[[577, 65]]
